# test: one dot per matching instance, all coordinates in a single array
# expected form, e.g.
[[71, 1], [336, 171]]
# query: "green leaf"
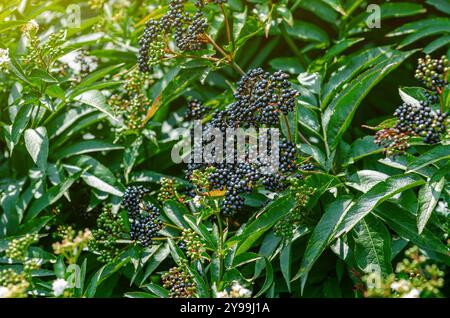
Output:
[[442, 5], [97, 100], [379, 193], [84, 147], [36, 142], [263, 222], [336, 5], [338, 116], [156, 259], [20, 122], [349, 68], [102, 274], [322, 235], [269, 278], [285, 264], [201, 230], [425, 32], [90, 79], [404, 224], [139, 295], [175, 211], [307, 31], [428, 198], [373, 246], [419, 25], [437, 44], [439, 153], [51, 196], [157, 290], [400, 9]]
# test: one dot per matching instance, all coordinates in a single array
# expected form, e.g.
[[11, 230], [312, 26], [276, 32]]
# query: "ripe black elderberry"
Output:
[[195, 110], [132, 199], [433, 73], [146, 225]]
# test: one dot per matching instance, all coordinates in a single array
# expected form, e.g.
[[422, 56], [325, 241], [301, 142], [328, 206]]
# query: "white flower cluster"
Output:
[[403, 287], [236, 291], [59, 286], [4, 292]]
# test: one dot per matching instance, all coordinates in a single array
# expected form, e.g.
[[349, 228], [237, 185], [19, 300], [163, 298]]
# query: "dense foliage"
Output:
[[93, 96]]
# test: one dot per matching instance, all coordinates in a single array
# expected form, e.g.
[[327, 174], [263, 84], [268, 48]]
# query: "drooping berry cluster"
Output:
[[110, 228], [132, 199], [392, 140], [145, 225], [298, 215], [179, 282], [187, 30], [192, 244], [433, 73], [144, 218], [195, 110], [260, 99]]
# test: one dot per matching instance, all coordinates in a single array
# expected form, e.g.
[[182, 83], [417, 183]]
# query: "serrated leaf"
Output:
[[404, 224], [441, 152], [322, 235], [428, 198], [95, 99], [339, 114], [373, 246]]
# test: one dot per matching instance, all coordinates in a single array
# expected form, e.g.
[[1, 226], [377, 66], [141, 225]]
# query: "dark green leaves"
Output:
[[428, 197], [338, 116], [322, 234], [379, 193], [373, 246]]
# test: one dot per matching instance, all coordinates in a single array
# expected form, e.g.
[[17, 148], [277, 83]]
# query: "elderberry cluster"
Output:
[[260, 99], [195, 110], [146, 225], [145, 222], [187, 30], [433, 73], [421, 121], [179, 282], [110, 228]]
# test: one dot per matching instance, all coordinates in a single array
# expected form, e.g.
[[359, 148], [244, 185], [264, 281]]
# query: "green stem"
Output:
[[288, 127], [232, 63]]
